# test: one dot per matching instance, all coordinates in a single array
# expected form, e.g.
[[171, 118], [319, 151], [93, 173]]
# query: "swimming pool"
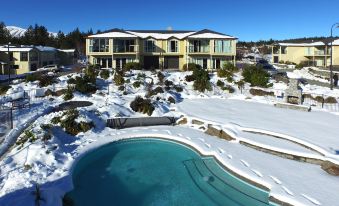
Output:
[[147, 171]]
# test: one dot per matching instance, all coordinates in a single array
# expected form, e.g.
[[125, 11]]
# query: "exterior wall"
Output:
[[162, 51], [335, 56]]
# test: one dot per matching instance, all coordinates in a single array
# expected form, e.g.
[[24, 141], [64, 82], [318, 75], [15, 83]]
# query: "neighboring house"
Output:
[[311, 54], [23, 59], [67, 56], [157, 49]]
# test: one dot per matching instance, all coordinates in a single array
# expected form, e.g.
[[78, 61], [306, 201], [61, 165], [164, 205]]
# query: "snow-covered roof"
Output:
[[159, 35], [14, 49], [162, 34], [114, 34], [335, 42], [209, 35], [66, 50], [45, 48], [319, 43]]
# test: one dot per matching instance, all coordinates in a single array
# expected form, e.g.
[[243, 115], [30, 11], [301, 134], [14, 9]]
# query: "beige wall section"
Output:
[[294, 54], [335, 55]]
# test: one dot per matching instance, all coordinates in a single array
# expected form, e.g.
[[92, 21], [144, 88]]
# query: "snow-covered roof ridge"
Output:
[[318, 43], [162, 34]]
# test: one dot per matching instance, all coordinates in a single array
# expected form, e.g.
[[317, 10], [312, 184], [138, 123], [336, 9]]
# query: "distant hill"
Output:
[[19, 32]]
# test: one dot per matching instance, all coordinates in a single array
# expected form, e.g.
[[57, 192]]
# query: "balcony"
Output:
[[319, 52], [125, 48], [198, 49]]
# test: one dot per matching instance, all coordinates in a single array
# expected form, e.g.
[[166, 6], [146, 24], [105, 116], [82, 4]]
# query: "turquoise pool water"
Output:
[[155, 172]]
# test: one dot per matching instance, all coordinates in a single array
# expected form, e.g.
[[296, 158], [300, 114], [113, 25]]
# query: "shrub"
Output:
[[256, 76], [191, 67], [229, 79], [178, 88], [46, 80], [32, 77], [222, 73], [220, 83], [156, 91], [121, 88], [85, 85], [70, 125], [104, 74], [300, 65], [229, 88], [91, 73], [161, 77], [141, 76], [259, 92], [4, 89], [168, 83], [171, 100], [132, 66], [189, 78], [202, 80], [69, 93], [331, 100], [27, 136], [119, 78], [241, 84], [136, 84], [142, 105], [230, 67]]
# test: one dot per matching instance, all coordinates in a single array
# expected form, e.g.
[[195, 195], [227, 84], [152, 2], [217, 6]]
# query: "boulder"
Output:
[[330, 168]]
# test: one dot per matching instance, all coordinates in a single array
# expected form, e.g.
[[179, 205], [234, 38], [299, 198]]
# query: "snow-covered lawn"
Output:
[[50, 163]]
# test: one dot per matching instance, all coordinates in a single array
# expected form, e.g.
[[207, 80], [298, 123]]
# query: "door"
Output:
[[204, 63], [172, 62], [276, 59], [151, 62]]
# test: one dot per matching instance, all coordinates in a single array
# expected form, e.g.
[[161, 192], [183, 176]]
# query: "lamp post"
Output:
[[336, 25], [9, 65]]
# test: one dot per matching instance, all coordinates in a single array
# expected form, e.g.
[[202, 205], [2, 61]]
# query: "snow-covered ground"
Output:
[[50, 163]]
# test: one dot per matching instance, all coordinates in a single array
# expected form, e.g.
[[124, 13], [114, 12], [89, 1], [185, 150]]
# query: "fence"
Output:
[[6, 121]]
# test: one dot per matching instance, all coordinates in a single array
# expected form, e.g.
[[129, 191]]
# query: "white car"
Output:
[[52, 68]]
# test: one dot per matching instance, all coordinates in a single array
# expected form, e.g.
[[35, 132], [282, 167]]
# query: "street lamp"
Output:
[[336, 25], [9, 65]]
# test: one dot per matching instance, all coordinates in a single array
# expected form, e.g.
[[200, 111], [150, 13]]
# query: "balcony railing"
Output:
[[198, 49], [125, 48], [319, 52]]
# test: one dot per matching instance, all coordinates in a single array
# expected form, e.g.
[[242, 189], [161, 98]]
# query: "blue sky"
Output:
[[246, 19]]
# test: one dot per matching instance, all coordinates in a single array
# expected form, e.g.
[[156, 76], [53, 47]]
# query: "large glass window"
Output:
[[149, 46], [172, 46], [199, 46], [24, 56], [222, 46], [99, 45], [122, 45]]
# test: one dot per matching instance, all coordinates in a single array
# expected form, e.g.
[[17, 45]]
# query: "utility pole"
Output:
[[9, 65], [331, 66]]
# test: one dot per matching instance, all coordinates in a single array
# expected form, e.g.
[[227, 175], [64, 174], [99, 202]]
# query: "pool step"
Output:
[[219, 186]]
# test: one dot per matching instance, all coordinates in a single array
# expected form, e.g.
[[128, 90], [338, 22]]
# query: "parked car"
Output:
[[268, 68], [52, 68]]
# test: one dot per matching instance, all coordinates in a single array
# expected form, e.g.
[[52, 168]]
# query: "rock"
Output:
[[197, 122], [49, 92], [60, 92], [182, 121], [218, 133], [330, 168]]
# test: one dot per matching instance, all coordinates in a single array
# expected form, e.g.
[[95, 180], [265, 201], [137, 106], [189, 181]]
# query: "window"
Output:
[[149, 46], [222, 46], [284, 50], [24, 56], [121, 45], [99, 45], [33, 56], [199, 46], [172, 46]]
